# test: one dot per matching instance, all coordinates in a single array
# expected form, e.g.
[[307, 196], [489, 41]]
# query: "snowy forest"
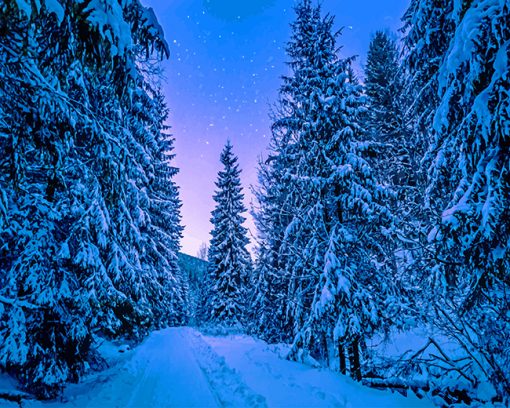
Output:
[[382, 205]]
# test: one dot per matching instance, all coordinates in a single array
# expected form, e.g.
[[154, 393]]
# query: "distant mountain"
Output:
[[194, 267]]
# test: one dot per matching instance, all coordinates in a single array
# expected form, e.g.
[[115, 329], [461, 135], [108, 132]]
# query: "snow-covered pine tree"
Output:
[[126, 175], [333, 200], [281, 198], [427, 30], [74, 180], [44, 325], [229, 260], [300, 159], [272, 215], [167, 285], [386, 126], [382, 84], [351, 217], [468, 190], [396, 159]]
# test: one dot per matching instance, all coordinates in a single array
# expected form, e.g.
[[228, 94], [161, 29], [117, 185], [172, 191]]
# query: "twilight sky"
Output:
[[227, 57]]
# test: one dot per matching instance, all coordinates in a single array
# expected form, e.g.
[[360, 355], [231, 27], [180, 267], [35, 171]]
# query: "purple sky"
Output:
[[227, 57]]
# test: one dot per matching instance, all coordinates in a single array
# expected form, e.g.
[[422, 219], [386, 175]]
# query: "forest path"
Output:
[[181, 367], [173, 367], [164, 372]]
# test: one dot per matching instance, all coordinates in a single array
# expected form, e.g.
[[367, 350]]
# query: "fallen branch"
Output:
[[17, 396], [396, 383]]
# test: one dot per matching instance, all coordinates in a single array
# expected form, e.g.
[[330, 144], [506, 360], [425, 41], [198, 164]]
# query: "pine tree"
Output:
[[300, 158], [75, 173], [269, 310], [424, 49], [468, 188], [281, 197], [427, 30], [395, 159], [350, 220], [169, 286], [382, 85], [396, 156], [229, 260], [331, 200]]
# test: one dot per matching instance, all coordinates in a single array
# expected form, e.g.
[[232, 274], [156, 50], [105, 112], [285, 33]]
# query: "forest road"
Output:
[[173, 367]]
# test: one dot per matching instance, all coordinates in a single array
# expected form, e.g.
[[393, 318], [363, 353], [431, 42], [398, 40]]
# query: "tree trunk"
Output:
[[341, 357], [325, 349], [354, 361]]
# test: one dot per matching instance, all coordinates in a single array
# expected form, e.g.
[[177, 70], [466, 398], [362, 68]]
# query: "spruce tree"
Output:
[[229, 260], [281, 197], [300, 158], [350, 218], [468, 183], [75, 180], [166, 282], [331, 199], [271, 281], [395, 158], [382, 84]]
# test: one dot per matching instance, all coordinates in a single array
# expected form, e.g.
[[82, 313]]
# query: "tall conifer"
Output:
[[229, 260]]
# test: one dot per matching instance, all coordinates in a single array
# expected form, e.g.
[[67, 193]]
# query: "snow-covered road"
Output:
[[180, 367], [163, 372]]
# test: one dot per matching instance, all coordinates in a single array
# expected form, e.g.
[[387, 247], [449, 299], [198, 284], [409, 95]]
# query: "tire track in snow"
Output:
[[162, 372]]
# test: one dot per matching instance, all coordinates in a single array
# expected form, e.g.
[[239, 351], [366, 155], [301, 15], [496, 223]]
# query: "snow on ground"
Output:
[[289, 384], [8, 388], [161, 372], [180, 367]]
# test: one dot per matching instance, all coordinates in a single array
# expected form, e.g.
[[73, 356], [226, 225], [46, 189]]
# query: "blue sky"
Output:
[[227, 57]]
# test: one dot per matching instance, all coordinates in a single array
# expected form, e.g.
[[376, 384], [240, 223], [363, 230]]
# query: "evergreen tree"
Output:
[[169, 286], [428, 28], [468, 184], [395, 159], [281, 197], [77, 155], [382, 85], [327, 190], [349, 216], [229, 261], [269, 310]]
